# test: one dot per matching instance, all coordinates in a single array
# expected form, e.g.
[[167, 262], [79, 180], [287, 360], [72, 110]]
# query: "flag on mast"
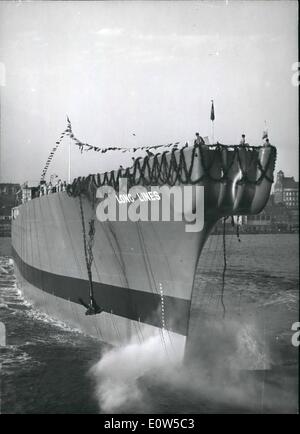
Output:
[[212, 112], [265, 132]]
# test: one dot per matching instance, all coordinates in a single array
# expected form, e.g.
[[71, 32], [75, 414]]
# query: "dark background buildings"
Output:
[[281, 213], [8, 199]]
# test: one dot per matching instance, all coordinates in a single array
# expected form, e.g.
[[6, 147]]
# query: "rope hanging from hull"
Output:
[[238, 230], [92, 307], [225, 258], [224, 267]]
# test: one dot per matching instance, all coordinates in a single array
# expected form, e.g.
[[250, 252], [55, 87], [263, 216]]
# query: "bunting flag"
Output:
[[51, 155], [212, 112], [87, 147], [265, 131]]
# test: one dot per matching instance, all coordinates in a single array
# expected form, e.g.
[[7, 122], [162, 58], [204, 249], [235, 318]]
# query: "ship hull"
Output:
[[142, 272]]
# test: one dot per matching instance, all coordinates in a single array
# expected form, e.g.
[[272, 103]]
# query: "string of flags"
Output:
[[87, 147], [57, 143], [265, 132]]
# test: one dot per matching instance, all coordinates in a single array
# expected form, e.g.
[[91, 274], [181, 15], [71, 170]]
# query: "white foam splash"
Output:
[[118, 371], [224, 353]]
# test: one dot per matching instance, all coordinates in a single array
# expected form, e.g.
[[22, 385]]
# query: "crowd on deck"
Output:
[[45, 188], [200, 141], [42, 189]]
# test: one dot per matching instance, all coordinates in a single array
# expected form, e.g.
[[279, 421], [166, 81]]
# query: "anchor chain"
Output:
[[92, 307]]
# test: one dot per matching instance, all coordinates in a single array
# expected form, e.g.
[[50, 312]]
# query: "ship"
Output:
[[127, 281]]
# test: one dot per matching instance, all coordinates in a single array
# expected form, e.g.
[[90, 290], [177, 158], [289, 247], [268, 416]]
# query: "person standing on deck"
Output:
[[243, 140], [199, 140]]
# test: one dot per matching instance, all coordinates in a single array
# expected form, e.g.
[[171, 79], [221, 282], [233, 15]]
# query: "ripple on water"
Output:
[[13, 357]]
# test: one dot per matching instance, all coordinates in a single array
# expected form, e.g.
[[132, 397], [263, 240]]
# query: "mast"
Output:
[[212, 118], [2, 84], [69, 156], [0, 128]]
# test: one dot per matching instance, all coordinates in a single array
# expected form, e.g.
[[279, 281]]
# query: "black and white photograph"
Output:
[[149, 210]]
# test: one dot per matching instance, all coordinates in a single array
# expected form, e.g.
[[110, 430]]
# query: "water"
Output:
[[49, 368]]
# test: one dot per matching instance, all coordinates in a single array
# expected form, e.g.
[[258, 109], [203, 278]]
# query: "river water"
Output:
[[246, 361]]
